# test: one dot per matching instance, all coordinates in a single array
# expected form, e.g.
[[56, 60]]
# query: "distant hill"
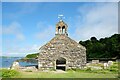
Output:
[[33, 55]]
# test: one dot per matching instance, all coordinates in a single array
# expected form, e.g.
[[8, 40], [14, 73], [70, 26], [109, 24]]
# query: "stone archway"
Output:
[[61, 64]]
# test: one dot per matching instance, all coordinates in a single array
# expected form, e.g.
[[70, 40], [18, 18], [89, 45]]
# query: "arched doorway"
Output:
[[61, 64]]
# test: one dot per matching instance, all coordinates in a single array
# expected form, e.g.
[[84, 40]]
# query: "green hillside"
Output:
[[34, 55]]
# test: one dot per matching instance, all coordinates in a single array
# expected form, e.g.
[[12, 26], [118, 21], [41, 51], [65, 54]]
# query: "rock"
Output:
[[96, 68], [95, 61], [15, 65], [110, 63], [105, 65], [29, 68], [117, 60]]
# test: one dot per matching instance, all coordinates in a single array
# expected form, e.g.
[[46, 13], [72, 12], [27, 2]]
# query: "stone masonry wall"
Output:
[[61, 46]]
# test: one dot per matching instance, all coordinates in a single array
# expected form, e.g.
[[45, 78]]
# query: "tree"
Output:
[[93, 39], [108, 47]]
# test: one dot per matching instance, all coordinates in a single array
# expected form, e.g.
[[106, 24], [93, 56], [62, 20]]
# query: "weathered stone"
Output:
[[110, 63], [95, 61], [63, 49], [105, 65], [15, 65]]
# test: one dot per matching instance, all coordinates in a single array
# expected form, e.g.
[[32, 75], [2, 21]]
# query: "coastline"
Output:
[[4, 68]]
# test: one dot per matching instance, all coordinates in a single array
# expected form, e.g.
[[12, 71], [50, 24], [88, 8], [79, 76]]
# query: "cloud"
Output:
[[20, 36], [29, 49], [100, 20], [46, 32], [13, 29], [22, 51], [42, 25], [28, 8]]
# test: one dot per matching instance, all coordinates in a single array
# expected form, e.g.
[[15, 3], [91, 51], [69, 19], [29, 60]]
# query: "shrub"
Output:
[[69, 70], [28, 71], [88, 69], [52, 69], [75, 69], [9, 73], [114, 67]]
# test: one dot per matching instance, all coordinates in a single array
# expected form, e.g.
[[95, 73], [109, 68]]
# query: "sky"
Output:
[[26, 26]]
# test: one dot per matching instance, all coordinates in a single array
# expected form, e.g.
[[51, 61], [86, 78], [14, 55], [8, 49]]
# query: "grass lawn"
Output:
[[64, 75], [0, 74], [111, 72]]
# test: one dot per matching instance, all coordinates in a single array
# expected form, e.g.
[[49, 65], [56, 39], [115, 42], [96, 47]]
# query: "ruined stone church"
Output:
[[61, 52]]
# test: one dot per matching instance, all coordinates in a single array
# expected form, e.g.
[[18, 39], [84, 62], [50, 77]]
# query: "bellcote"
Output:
[[61, 28]]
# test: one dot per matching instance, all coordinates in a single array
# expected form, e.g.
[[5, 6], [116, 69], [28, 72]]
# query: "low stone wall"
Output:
[[95, 64], [28, 69]]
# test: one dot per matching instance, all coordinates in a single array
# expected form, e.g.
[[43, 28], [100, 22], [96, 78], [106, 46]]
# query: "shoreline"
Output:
[[5, 68]]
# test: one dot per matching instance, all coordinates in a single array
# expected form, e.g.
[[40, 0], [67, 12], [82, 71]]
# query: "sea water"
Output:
[[6, 62]]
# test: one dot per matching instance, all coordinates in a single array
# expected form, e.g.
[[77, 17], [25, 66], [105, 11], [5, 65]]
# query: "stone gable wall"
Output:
[[61, 46], [74, 59]]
